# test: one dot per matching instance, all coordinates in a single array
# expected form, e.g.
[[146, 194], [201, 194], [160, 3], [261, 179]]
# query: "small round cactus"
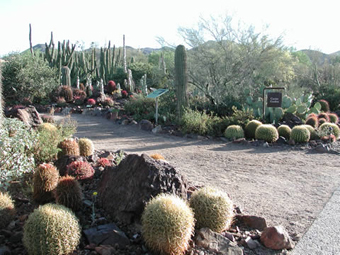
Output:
[[111, 86], [324, 105], [80, 170], [47, 127], [66, 92], [103, 162], [45, 180], [167, 224], [7, 210], [333, 117], [300, 134], [313, 132], [157, 156], [86, 147], [91, 101], [329, 128], [234, 132], [251, 127], [267, 132], [284, 131], [68, 193], [51, 230], [212, 208], [68, 147], [323, 115], [312, 120], [322, 120]]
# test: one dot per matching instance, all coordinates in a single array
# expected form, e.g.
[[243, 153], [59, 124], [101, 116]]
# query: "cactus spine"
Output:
[[181, 79]]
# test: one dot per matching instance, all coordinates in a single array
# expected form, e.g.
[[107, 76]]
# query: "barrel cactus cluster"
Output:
[[251, 127], [267, 132], [284, 131], [300, 134], [234, 132], [86, 147]]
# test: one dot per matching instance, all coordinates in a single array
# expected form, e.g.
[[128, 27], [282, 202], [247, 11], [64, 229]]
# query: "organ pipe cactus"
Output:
[[181, 79]]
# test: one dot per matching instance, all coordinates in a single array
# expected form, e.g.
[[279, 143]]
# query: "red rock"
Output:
[[276, 238]]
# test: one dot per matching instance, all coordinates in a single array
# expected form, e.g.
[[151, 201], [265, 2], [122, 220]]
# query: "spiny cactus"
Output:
[[68, 193], [234, 132], [251, 127], [91, 101], [333, 117], [1, 102], [324, 105], [157, 156], [328, 128], [300, 134], [51, 230], [108, 102], [80, 170], [323, 115], [111, 86], [103, 162], [284, 131], [45, 180], [212, 208], [7, 210], [313, 132], [313, 120], [66, 76], [267, 132], [181, 79], [68, 147], [66, 92], [167, 224], [86, 147], [47, 127], [322, 120]]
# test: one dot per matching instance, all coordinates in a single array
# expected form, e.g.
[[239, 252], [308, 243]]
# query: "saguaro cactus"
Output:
[[181, 78], [66, 76]]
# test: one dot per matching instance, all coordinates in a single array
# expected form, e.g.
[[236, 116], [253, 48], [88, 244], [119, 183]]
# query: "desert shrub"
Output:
[[140, 108], [17, 143], [267, 132], [45, 180], [212, 209], [51, 230], [251, 127], [7, 210], [284, 131], [234, 132], [68, 193], [300, 134], [80, 170], [194, 121], [328, 128], [333, 117], [86, 147], [24, 74], [167, 224]]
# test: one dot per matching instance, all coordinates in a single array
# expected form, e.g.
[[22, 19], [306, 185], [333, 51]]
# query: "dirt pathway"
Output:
[[286, 187]]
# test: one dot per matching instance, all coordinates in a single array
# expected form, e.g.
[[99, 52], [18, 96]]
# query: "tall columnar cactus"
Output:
[[65, 76], [181, 79], [1, 103]]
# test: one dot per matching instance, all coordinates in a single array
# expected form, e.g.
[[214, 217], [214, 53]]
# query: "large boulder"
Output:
[[124, 190]]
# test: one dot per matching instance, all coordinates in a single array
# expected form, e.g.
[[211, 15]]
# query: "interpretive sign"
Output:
[[274, 99], [157, 93]]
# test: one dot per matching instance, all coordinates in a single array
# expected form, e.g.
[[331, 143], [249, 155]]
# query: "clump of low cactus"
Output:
[[324, 105], [80, 170], [68, 146], [251, 127], [91, 101], [111, 86], [157, 156], [313, 132], [234, 132], [45, 180], [51, 230], [329, 128], [284, 131], [267, 132], [86, 147], [333, 117], [103, 162], [300, 134], [167, 224], [7, 210], [66, 92], [68, 193], [313, 120], [212, 208]]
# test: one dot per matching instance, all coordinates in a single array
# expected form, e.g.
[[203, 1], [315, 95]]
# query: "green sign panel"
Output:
[[157, 93]]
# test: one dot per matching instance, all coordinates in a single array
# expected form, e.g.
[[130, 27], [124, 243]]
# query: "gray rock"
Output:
[[276, 238], [215, 242], [251, 221], [145, 125], [157, 129], [252, 244], [108, 234]]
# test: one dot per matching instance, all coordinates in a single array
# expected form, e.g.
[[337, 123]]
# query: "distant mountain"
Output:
[[319, 57]]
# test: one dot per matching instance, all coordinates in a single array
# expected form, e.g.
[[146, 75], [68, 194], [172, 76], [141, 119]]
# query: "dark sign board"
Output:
[[274, 99], [157, 93]]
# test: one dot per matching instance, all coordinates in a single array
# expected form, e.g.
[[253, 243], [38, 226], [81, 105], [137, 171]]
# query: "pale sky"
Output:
[[304, 24]]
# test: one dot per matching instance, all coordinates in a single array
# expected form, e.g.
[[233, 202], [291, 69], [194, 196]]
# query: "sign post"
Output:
[[274, 99], [156, 94]]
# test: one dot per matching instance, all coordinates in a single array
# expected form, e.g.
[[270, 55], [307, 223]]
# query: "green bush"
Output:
[[51, 230], [300, 134], [7, 210], [17, 143], [284, 130], [251, 127], [195, 122], [267, 132], [212, 209], [167, 224], [26, 75], [234, 132], [141, 108]]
